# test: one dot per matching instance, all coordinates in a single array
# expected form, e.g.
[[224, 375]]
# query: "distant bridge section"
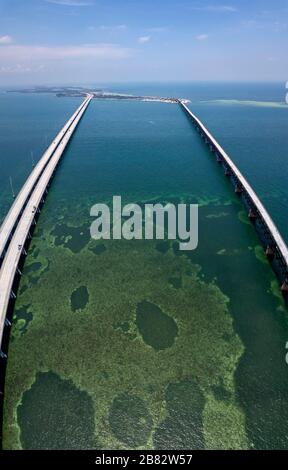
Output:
[[276, 247]]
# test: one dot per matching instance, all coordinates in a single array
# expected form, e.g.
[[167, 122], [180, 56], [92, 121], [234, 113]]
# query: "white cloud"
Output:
[[157, 29], [17, 68], [6, 40], [216, 8], [68, 62], [278, 27], [71, 3], [201, 37], [272, 26], [144, 39], [117, 27], [30, 54]]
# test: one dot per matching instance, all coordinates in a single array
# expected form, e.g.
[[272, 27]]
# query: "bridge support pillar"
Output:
[[238, 189], [7, 322], [19, 272], [284, 287], [3, 355], [269, 252], [252, 215], [12, 295]]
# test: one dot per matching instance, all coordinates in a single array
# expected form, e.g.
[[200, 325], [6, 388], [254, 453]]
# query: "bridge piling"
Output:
[[252, 215], [274, 246], [284, 287]]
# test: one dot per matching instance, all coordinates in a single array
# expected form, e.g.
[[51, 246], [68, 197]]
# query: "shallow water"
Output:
[[216, 377]]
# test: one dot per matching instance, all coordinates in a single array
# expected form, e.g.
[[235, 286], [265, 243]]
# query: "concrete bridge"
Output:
[[16, 228], [18, 224], [10, 222], [276, 249]]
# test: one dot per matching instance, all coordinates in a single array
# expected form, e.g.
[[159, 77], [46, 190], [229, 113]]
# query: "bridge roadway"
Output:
[[10, 221], [16, 248], [279, 244]]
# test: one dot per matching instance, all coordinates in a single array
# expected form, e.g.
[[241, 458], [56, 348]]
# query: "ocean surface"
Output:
[[135, 344]]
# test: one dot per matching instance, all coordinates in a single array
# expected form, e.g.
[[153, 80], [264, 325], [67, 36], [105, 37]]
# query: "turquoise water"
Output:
[[217, 377], [28, 124], [255, 136]]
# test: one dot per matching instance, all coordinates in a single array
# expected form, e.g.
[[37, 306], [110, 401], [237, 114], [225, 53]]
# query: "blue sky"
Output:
[[82, 41]]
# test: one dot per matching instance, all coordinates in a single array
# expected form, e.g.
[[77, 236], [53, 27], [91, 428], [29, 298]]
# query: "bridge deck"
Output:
[[16, 246], [17, 207], [274, 232]]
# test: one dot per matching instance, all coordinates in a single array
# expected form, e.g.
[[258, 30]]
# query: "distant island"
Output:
[[97, 93]]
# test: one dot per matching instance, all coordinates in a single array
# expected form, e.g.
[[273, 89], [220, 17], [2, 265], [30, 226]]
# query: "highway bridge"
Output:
[[10, 222], [16, 228], [276, 249]]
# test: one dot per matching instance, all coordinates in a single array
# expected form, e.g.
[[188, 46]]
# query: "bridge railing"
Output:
[[276, 246], [20, 237], [7, 227]]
